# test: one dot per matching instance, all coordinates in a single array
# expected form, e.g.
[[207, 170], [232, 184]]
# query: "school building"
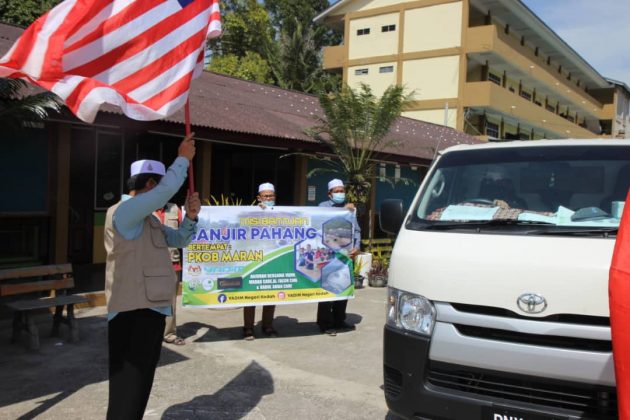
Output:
[[490, 68]]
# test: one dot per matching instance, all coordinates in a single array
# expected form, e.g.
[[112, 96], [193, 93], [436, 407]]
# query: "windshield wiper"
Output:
[[570, 230], [483, 223]]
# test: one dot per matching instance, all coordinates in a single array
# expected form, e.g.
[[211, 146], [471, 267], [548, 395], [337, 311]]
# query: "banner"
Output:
[[247, 256]]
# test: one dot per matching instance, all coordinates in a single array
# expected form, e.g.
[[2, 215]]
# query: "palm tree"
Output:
[[19, 110], [355, 127]]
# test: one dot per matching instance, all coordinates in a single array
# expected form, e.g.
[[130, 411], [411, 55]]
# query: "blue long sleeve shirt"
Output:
[[355, 224], [129, 217]]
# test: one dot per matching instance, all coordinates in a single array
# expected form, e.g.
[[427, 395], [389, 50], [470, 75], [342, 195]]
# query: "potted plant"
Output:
[[378, 274], [359, 265]]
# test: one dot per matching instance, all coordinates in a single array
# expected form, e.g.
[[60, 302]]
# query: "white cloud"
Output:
[[599, 30]]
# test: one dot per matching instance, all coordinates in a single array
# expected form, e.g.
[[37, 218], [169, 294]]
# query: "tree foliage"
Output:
[[296, 61], [354, 126], [18, 109], [287, 43], [24, 12], [249, 67]]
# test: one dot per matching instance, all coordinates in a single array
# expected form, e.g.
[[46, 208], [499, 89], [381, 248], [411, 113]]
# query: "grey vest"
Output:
[[138, 273]]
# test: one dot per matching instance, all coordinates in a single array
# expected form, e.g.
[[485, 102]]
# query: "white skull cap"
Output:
[[147, 166], [335, 183], [266, 186]]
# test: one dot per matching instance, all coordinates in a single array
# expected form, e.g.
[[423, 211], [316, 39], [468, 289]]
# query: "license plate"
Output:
[[507, 413]]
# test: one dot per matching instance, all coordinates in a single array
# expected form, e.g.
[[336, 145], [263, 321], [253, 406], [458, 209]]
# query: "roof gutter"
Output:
[[618, 83], [322, 15]]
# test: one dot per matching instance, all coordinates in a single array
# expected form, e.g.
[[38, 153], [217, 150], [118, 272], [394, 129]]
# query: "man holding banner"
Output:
[[331, 316], [266, 199]]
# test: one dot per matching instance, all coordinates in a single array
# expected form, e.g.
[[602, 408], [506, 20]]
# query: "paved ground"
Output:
[[216, 375]]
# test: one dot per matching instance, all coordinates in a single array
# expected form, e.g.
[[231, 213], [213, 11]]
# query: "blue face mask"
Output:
[[269, 203], [338, 198]]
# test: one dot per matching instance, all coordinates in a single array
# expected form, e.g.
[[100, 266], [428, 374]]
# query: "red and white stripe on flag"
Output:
[[140, 55]]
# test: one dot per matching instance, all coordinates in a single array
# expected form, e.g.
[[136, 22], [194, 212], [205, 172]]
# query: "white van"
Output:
[[498, 283]]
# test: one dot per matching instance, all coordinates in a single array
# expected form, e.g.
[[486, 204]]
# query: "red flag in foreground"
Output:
[[619, 301], [140, 55]]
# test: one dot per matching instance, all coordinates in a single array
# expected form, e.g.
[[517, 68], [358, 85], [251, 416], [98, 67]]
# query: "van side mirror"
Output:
[[391, 215]]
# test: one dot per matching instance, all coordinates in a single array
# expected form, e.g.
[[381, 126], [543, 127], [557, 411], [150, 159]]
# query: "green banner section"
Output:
[[246, 256]]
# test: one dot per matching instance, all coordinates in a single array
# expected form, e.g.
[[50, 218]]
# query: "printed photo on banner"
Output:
[[246, 256]]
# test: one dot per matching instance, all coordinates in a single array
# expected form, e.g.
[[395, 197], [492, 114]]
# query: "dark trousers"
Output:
[[249, 316], [135, 342], [331, 314]]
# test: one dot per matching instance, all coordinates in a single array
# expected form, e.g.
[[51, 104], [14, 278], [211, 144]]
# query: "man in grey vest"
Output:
[[140, 282]]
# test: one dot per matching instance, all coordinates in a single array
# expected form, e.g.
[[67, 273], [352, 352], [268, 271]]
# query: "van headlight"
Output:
[[410, 312]]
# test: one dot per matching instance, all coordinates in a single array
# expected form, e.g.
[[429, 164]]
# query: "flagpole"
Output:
[[191, 179]]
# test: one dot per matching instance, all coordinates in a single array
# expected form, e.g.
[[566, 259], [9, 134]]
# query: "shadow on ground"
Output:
[[232, 402], [58, 369], [286, 327]]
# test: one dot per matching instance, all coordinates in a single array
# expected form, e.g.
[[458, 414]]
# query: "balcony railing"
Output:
[[485, 39], [489, 95]]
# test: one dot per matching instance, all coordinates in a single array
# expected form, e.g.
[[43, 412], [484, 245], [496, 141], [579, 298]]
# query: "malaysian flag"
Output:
[[140, 55]]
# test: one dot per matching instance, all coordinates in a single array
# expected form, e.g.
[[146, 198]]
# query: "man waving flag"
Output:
[[140, 55]]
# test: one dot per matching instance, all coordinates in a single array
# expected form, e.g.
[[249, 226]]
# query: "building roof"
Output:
[[230, 104], [620, 84], [526, 23]]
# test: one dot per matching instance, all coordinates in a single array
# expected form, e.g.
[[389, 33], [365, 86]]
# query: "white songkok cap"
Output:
[[267, 186], [335, 183], [147, 167]]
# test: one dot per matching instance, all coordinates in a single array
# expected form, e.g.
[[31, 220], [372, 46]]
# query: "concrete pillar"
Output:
[[299, 188], [61, 191]]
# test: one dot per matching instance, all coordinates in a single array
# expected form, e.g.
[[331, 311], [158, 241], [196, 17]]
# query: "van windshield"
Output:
[[566, 186]]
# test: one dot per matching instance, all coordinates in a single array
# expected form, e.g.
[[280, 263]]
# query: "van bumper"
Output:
[[409, 394]]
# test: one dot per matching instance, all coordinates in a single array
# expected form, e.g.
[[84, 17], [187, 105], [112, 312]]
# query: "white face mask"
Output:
[[338, 198], [269, 203]]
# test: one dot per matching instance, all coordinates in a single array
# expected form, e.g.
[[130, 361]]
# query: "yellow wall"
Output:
[[435, 116], [377, 81], [376, 42], [433, 28], [432, 78]]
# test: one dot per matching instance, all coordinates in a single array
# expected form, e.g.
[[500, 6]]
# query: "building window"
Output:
[[526, 95], [386, 69], [492, 130], [388, 28], [360, 72], [364, 31], [494, 78]]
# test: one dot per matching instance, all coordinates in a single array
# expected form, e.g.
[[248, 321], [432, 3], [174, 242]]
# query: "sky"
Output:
[[599, 30]]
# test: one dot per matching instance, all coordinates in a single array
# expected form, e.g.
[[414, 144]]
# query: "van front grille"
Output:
[[571, 343], [560, 318], [592, 400]]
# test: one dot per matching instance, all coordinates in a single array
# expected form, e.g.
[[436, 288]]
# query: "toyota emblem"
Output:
[[531, 303]]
